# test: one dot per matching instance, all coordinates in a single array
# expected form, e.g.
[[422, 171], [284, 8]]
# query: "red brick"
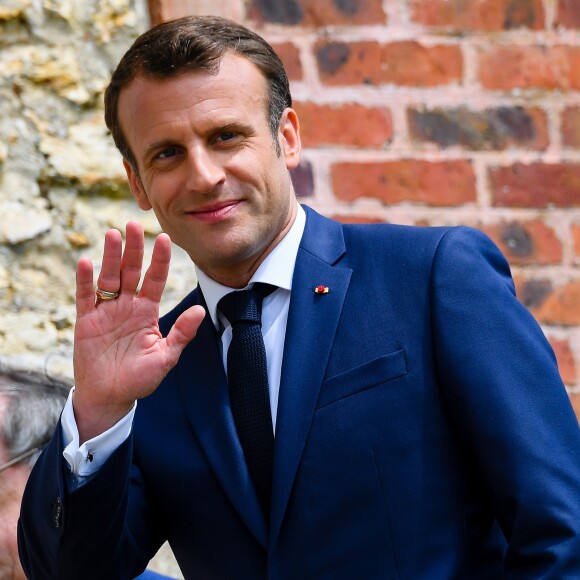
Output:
[[559, 305], [536, 185], [342, 63], [159, 11], [155, 11], [568, 14], [532, 292], [575, 400], [346, 124], [318, 12], [481, 130], [290, 12], [574, 66], [565, 358], [571, 127], [531, 242], [462, 15], [303, 179], [447, 183], [290, 56], [576, 238], [163, 10], [506, 67], [410, 63]]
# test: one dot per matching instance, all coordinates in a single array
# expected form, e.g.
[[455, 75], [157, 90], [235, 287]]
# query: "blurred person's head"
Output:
[[30, 406]]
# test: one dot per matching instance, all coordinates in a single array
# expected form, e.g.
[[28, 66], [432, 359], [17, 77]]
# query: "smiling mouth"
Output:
[[215, 212]]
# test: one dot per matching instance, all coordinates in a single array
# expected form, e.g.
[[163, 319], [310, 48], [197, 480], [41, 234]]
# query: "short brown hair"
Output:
[[194, 43]]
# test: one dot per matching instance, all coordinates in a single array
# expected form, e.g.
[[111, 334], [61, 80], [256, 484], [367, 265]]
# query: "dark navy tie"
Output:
[[248, 385]]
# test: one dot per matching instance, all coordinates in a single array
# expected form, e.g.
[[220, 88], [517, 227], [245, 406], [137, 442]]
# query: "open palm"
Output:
[[119, 353]]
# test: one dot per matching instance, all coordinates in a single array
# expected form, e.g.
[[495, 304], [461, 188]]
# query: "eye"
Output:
[[226, 136], [167, 153]]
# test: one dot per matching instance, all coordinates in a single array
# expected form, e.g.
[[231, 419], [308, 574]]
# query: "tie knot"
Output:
[[245, 305]]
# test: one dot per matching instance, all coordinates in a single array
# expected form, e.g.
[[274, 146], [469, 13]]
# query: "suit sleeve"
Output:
[[98, 530], [502, 387]]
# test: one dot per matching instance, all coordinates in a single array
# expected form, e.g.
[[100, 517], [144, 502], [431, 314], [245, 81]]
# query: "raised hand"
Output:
[[119, 353]]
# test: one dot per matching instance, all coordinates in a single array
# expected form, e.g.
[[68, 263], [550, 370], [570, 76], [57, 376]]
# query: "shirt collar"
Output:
[[276, 269]]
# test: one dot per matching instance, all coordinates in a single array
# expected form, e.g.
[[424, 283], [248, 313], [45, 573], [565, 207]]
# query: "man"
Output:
[[30, 405], [418, 427]]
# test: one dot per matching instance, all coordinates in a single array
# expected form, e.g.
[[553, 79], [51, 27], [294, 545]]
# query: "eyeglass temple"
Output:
[[19, 458]]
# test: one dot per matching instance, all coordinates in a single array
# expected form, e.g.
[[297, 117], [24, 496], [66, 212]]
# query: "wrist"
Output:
[[93, 418]]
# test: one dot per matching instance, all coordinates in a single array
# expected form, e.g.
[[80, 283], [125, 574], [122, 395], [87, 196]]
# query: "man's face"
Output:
[[208, 166], [12, 482]]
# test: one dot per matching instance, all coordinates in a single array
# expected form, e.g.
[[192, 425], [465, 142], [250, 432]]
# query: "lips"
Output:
[[215, 212]]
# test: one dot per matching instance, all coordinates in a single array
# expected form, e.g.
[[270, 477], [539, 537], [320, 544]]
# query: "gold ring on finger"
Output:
[[105, 294]]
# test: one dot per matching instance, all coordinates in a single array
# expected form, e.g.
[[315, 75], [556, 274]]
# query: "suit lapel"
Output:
[[207, 406], [312, 323]]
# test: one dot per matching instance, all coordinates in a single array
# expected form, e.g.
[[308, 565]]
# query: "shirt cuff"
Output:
[[86, 459]]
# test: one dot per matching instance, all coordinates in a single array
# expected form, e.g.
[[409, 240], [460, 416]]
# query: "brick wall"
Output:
[[442, 112]]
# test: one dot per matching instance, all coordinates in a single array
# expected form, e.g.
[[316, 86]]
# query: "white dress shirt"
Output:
[[277, 269]]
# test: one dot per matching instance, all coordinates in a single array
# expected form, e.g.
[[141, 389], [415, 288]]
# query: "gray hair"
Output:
[[34, 403]]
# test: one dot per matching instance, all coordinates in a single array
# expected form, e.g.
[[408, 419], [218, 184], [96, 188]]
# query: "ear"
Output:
[[289, 138], [136, 187]]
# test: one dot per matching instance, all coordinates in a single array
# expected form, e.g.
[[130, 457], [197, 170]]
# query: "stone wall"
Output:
[[62, 183]]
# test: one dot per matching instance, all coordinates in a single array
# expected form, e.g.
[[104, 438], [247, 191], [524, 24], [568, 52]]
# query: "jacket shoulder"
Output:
[[410, 243]]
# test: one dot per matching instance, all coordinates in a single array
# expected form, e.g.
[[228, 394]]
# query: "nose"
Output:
[[205, 172]]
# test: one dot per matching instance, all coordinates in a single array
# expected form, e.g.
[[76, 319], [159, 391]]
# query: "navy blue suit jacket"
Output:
[[423, 432]]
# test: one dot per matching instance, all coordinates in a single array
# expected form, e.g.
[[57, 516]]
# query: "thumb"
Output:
[[184, 330]]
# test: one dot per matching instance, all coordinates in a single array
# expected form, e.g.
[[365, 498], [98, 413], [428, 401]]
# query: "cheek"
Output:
[[7, 544], [161, 194], [279, 192]]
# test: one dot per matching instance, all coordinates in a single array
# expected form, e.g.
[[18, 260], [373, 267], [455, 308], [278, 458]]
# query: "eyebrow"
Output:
[[235, 125]]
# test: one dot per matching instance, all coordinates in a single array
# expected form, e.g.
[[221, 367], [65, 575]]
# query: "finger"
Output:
[[183, 331], [110, 274], [156, 275], [85, 292], [132, 260]]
